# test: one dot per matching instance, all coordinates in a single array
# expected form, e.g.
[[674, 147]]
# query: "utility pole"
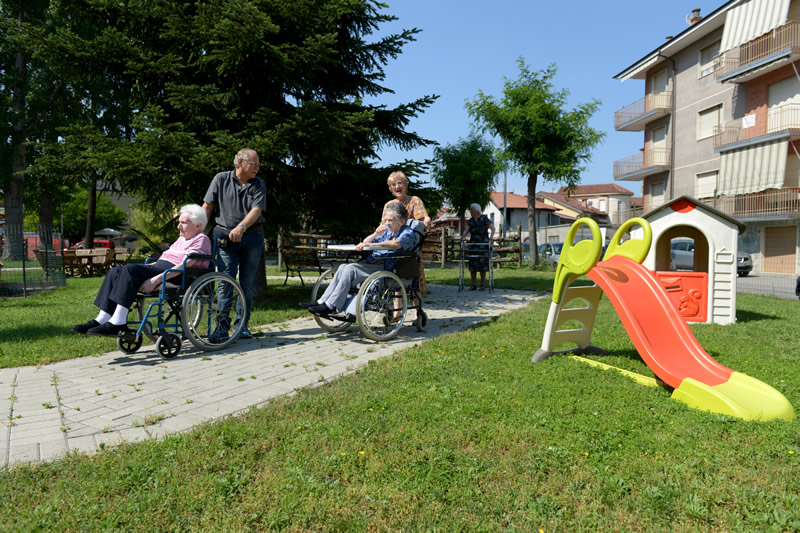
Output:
[[505, 198]]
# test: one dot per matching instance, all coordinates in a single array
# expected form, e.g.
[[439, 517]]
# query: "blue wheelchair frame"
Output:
[[377, 296], [202, 287]]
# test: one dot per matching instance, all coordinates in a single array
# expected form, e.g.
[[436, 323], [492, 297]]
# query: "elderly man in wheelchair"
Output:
[[376, 290], [186, 306]]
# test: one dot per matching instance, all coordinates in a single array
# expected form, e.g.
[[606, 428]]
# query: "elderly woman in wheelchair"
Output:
[[376, 290], [191, 304]]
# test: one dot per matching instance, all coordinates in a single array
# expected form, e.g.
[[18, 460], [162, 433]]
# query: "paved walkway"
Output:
[[87, 403]]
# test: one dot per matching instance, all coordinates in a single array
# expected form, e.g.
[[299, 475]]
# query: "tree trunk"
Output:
[[46, 210], [91, 212], [534, 247], [15, 185]]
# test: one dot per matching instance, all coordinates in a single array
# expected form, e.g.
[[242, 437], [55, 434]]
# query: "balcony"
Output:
[[769, 204], [763, 54], [772, 203], [639, 166], [635, 116], [778, 122]]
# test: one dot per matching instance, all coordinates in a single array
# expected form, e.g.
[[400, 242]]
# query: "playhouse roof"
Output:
[[685, 202]]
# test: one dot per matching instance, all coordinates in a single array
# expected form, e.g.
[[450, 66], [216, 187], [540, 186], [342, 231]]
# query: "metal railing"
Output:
[[758, 204], [783, 118], [785, 36], [769, 203], [650, 158], [27, 270], [643, 106]]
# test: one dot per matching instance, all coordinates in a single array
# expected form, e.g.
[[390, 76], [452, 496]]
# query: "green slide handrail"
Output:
[[633, 249], [577, 259]]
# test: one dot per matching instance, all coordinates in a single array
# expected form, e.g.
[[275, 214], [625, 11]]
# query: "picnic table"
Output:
[[88, 263]]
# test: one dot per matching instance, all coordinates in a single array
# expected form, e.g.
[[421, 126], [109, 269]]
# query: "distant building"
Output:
[[517, 212], [720, 122], [610, 198]]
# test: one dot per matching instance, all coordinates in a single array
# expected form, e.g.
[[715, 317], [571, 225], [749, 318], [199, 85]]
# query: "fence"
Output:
[[32, 267]]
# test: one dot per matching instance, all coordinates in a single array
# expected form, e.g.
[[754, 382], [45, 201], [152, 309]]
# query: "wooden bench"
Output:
[[49, 260], [95, 262], [298, 259], [121, 256]]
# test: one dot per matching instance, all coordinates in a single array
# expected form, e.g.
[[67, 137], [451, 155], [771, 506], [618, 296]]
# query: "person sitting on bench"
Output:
[[121, 284], [399, 238]]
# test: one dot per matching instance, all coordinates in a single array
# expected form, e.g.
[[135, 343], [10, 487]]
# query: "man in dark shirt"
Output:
[[242, 201]]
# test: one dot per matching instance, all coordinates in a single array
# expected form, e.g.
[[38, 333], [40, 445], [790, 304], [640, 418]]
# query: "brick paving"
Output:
[[83, 404]]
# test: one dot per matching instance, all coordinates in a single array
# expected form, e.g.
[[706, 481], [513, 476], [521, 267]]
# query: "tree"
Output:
[[195, 92], [466, 172], [541, 137], [162, 94]]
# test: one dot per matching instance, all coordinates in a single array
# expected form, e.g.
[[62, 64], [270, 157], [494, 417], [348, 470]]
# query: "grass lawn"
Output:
[[38, 330], [460, 433]]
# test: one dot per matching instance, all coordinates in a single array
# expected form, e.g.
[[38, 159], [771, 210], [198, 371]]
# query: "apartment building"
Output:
[[720, 119], [611, 198]]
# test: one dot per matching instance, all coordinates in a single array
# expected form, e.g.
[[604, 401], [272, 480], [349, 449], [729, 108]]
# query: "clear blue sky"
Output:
[[471, 45]]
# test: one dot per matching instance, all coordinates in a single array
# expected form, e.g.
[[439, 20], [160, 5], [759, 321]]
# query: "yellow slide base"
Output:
[[742, 396], [638, 378]]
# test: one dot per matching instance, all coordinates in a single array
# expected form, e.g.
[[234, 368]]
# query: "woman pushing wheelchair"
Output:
[[397, 238]]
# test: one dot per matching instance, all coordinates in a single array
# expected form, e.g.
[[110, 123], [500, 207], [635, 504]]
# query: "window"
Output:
[[602, 204], [706, 184], [707, 55], [707, 120]]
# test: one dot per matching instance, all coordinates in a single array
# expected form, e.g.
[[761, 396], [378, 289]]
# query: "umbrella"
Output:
[[107, 232]]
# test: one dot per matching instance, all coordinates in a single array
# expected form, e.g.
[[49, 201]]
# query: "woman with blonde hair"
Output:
[[398, 186]]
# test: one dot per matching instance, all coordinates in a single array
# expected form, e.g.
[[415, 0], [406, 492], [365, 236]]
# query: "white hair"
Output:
[[196, 214], [476, 207], [245, 154]]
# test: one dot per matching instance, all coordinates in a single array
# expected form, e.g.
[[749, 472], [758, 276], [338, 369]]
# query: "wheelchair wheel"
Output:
[[330, 325], [168, 345], [376, 307], [421, 323], [129, 343], [206, 311]]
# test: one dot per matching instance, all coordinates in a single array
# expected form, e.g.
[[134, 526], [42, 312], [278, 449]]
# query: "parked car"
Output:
[[681, 257], [744, 264], [550, 252]]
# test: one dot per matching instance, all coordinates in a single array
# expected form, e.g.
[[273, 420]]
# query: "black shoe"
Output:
[[320, 310], [308, 304], [108, 330], [473, 288], [83, 328]]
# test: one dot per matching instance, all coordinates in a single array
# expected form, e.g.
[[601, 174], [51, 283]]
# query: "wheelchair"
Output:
[[194, 305], [374, 302]]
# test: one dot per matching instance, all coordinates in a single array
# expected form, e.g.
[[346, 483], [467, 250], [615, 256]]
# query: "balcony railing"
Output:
[[770, 203], [773, 202], [784, 118], [642, 164], [780, 42], [633, 117]]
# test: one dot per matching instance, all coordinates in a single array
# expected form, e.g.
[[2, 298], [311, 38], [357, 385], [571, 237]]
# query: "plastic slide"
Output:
[[670, 349], [661, 336]]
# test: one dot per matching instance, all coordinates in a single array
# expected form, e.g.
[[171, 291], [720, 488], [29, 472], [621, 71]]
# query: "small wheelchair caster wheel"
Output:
[[168, 346], [129, 342], [421, 322]]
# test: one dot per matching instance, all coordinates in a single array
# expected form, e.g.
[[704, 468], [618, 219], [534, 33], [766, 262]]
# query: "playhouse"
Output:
[[708, 292]]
